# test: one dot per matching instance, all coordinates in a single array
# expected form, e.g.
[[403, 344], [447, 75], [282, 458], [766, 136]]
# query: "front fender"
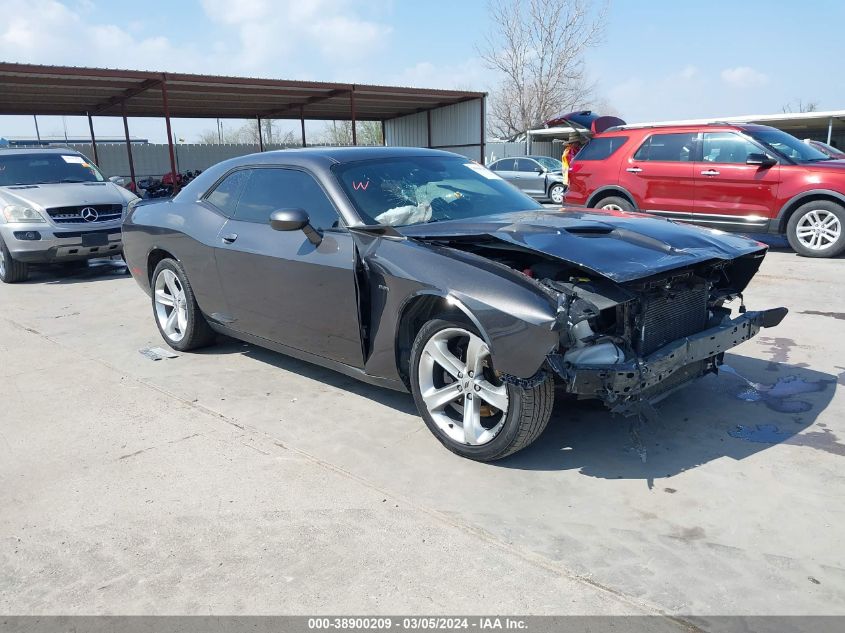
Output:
[[513, 314]]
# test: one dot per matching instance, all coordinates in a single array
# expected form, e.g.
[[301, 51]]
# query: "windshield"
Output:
[[421, 189], [38, 169], [787, 145], [552, 164]]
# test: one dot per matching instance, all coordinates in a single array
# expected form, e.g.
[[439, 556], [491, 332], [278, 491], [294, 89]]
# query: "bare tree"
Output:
[[799, 105], [340, 133], [538, 47], [248, 134]]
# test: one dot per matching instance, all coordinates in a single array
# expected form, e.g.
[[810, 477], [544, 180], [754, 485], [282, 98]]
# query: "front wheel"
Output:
[[817, 229], [463, 400], [556, 192], [175, 308], [11, 270]]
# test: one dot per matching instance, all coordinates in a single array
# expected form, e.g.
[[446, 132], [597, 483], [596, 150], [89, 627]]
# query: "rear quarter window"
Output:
[[601, 148]]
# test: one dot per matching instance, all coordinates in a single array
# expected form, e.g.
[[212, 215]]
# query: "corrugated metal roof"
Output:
[[71, 90]]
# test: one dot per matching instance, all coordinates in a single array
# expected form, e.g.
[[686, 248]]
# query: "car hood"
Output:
[[617, 245], [836, 165], [64, 194]]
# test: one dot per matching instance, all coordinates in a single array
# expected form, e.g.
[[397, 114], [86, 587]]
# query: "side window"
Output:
[[506, 164], [726, 147], [526, 165], [601, 148], [226, 193], [667, 147], [271, 189]]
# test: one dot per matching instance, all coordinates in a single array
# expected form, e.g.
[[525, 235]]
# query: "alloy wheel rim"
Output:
[[612, 207], [818, 229], [171, 305], [557, 195], [459, 388]]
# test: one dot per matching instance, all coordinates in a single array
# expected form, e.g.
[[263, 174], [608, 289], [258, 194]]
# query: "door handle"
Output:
[[634, 170], [229, 239], [710, 172]]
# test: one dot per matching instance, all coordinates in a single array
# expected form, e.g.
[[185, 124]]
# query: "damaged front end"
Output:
[[648, 338]]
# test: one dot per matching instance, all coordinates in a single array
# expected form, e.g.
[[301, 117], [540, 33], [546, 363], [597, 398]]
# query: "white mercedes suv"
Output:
[[55, 206]]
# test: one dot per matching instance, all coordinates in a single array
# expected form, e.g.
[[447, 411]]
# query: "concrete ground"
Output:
[[237, 480]]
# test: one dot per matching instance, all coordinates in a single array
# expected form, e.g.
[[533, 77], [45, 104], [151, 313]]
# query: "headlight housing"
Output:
[[17, 214]]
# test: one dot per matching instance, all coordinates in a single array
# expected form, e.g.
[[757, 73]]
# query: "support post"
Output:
[[260, 136], [352, 108], [37, 131], [128, 146], [428, 126], [483, 129], [829, 130], [93, 139], [169, 137], [302, 123], [383, 133]]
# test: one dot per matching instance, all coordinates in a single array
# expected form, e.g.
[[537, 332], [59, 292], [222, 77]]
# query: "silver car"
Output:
[[55, 206], [540, 177]]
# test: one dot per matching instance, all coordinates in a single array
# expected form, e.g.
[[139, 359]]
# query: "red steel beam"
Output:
[[129, 147], [302, 123], [169, 136], [127, 94], [352, 109], [93, 140], [260, 136]]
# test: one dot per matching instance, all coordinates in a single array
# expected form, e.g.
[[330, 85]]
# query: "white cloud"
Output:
[[744, 76], [689, 72], [470, 74], [271, 32]]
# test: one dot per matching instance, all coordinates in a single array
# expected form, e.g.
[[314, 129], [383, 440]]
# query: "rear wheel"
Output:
[[463, 400], [614, 203], [556, 192], [175, 308], [817, 229], [11, 270]]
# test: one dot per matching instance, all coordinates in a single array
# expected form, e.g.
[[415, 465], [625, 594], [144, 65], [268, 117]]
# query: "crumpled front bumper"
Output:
[[653, 376]]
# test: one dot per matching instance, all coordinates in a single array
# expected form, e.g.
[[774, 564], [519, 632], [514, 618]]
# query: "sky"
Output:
[[657, 60]]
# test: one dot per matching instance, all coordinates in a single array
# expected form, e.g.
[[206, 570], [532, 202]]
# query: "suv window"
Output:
[[271, 189], [726, 147], [226, 193], [600, 148], [506, 164], [675, 147]]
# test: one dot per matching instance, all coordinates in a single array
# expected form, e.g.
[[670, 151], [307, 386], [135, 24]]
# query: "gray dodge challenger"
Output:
[[421, 270]]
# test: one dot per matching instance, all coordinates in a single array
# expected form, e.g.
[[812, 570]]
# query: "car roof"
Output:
[[623, 130], [350, 154], [6, 151]]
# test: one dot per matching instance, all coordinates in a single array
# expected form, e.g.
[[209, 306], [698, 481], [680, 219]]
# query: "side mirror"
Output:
[[760, 159], [117, 180], [540, 170], [295, 220]]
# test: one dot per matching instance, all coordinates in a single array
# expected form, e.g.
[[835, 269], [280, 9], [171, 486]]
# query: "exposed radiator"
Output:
[[669, 318]]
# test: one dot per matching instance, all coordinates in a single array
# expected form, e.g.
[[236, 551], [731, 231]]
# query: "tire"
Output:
[[498, 432], [188, 329], [817, 229], [11, 270], [556, 192], [615, 203]]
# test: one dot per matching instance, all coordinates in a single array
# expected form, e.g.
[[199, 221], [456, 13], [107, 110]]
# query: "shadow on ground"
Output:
[[735, 414], [77, 272], [749, 407]]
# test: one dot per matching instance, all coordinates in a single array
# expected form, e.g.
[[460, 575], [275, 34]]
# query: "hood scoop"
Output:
[[589, 230]]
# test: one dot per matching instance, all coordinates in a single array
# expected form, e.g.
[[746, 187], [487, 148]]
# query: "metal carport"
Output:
[[409, 116]]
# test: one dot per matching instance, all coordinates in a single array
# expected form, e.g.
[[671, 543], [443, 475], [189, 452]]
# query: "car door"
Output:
[[532, 177], [729, 193], [660, 176], [279, 285], [505, 168]]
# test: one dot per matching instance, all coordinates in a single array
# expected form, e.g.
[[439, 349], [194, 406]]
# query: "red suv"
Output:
[[750, 178]]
